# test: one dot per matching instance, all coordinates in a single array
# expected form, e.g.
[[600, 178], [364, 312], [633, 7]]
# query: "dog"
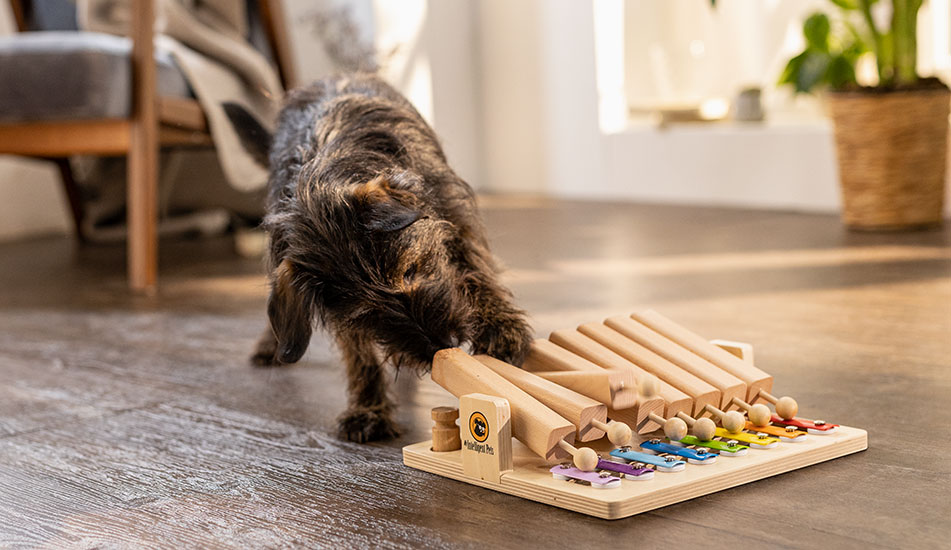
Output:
[[375, 238]]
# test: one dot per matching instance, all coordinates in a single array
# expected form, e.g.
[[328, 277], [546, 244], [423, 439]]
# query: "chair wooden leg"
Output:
[[142, 182], [72, 195]]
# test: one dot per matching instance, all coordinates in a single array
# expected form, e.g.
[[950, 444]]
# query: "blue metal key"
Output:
[[694, 456], [664, 464]]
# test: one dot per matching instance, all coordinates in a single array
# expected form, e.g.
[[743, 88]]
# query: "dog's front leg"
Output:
[[368, 415]]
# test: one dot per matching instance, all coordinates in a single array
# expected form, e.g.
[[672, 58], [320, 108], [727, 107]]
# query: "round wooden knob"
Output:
[[648, 386], [445, 414], [619, 433], [733, 422], [704, 429], [586, 459], [675, 429], [760, 415], [787, 407]]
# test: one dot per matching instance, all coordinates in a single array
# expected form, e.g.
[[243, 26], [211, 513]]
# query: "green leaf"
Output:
[[813, 71], [816, 30], [841, 72], [789, 73], [847, 4]]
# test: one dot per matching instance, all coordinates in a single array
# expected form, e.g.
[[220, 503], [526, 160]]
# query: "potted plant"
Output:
[[891, 138]]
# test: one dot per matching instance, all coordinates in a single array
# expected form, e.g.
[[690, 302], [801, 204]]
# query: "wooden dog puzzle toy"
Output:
[[594, 413]]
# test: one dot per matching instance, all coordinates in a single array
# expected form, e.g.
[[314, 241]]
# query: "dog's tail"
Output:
[[254, 137]]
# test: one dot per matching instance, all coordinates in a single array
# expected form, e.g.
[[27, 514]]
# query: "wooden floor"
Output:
[[137, 421]]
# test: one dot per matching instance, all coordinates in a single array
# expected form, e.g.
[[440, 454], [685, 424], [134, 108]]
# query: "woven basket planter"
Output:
[[892, 149]]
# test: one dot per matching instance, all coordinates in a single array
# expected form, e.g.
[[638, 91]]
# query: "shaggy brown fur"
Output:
[[376, 238]]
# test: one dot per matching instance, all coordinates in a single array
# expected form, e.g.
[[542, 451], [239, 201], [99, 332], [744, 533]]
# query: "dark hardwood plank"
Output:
[[136, 421]]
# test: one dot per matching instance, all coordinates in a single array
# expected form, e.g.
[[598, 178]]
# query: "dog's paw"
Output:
[[265, 351], [508, 340], [363, 425]]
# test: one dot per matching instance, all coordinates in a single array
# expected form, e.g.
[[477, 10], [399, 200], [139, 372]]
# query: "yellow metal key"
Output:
[[755, 441]]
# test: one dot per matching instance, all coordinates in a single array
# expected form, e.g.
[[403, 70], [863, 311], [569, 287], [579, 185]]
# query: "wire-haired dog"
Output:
[[373, 235]]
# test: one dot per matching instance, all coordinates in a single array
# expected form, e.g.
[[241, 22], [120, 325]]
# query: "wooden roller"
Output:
[[547, 356], [538, 427], [701, 392], [616, 389], [572, 406], [754, 378], [729, 385], [673, 399]]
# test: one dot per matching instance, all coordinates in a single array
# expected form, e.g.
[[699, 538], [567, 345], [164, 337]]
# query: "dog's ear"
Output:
[[254, 137], [291, 316], [383, 208]]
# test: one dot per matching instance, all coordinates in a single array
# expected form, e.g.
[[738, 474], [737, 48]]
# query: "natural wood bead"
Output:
[[733, 421], [675, 429], [704, 429], [760, 415], [619, 433], [584, 458], [787, 408]]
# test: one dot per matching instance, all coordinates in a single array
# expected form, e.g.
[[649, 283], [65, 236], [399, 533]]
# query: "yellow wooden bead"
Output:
[[675, 429], [704, 429], [760, 415], [787, 407], [586, 459], [619, 433]]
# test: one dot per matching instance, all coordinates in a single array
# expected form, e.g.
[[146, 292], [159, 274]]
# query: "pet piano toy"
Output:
[[616, 418]]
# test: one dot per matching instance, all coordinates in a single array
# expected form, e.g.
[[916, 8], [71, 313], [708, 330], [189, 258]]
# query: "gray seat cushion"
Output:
[[49, 76]]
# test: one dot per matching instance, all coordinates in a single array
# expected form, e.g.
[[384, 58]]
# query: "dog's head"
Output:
[[369, 257]]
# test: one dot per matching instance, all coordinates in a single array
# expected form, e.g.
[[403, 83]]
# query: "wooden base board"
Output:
[[531, 479]]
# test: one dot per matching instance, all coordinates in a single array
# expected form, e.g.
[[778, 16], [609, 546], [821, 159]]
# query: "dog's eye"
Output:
[[409, 274]]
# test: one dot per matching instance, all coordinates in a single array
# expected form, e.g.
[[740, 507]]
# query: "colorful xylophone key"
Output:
[[663, 463], [598, 480], [815, 427], [729, 448], [630, 471], [755, 441], [788, 434], [693, 456]]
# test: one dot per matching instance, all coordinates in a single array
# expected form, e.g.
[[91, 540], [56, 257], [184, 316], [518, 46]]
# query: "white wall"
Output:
[[540, 95]]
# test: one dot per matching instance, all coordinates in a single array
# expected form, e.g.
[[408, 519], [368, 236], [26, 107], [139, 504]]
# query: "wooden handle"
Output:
[[546, 356], [619, 433], [585, 459], [786, 407], [758, 414], [572, 406], [575, 342], [674, 428], [699, 391], [703, 428], [754, 378], [732, 421], [728, 385], [534, 424], [617, 389]]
